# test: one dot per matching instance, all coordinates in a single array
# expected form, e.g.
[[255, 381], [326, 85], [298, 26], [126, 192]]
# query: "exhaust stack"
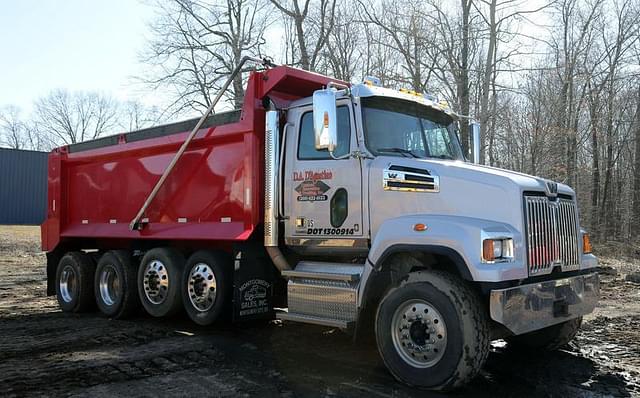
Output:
[[271, 160]]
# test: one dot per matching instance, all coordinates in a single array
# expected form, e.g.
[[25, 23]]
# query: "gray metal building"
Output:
[[23, 186]]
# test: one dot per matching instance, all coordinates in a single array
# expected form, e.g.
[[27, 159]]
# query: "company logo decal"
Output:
[[254, 300], [312, 187]]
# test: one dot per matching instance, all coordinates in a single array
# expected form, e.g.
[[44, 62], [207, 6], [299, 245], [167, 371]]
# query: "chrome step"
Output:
[[323, 293], [327, 271], [285, 316]]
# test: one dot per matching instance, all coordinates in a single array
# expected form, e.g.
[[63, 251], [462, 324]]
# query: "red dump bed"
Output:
[[215, 192]]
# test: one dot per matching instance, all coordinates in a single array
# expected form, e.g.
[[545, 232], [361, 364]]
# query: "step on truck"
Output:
[[346, 205]]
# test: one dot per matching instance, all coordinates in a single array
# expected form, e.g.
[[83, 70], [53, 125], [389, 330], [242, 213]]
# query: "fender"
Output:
[[457, 237], [448, 252]]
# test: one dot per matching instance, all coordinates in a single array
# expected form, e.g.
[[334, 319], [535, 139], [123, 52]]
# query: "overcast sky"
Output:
[[72, 44]]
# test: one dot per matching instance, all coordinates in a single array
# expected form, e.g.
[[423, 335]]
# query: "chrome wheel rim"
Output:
[[156, 282], [68, 283], [419, 333], [202, 287], [109, 285]]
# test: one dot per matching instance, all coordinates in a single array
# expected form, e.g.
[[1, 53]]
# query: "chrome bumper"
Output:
[[531, 307]]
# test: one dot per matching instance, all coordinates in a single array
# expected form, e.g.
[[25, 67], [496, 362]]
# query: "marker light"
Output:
[[430, 97], [419, 227], [586, 244], [372, 81]]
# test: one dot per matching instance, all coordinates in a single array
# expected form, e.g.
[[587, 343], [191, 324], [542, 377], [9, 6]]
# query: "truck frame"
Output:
[[320, 201]]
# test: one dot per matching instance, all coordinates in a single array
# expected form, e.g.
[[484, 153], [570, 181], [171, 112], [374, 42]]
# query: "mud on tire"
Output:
[[74, 282], [440, 299], [548, 339], [159, 277], [116, 287]]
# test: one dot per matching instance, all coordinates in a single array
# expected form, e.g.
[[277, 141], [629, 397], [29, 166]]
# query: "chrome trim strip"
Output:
[[408, 181]]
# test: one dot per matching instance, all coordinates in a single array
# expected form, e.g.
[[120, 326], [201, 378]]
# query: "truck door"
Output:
[[322, 195]]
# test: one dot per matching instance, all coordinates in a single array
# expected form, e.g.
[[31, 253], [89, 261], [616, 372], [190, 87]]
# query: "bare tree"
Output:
[[198, 43], [312, 23], [407, 33], [344, 49], [135, 116], [13, 132], [67, 118]]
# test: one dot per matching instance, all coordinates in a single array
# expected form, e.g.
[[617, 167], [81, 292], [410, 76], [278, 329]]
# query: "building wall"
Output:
[[23, 186]]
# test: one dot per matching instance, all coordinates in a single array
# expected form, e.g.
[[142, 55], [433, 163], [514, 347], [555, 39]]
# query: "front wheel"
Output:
[[432, 332]]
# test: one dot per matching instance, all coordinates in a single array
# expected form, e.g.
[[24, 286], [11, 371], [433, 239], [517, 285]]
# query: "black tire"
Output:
[[548, 339], [159, 277], [205, 270], [115, 285], [454, 307], [74, 282]]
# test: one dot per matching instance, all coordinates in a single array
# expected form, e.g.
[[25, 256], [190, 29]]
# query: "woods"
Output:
[[555, 83]]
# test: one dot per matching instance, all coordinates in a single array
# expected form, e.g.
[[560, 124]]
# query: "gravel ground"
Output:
[[44, 352]]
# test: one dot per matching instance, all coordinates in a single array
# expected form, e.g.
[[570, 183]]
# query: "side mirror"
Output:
[[475, 133], [325, 120]]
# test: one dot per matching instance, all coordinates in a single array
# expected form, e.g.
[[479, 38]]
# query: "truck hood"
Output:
[[526, 182], [464, 190]]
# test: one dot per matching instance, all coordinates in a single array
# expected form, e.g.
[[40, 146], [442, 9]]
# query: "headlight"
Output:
[[497, 250]]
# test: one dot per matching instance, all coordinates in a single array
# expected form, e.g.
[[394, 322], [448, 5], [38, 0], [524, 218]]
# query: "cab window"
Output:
[[306, 144]]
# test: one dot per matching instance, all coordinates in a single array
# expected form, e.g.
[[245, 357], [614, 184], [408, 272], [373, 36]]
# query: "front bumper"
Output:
[[535, 306]]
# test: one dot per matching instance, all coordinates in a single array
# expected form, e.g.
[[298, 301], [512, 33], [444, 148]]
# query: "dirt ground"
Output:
[[44, 352]]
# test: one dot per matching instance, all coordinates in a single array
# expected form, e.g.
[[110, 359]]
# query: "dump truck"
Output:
[[321, 201]]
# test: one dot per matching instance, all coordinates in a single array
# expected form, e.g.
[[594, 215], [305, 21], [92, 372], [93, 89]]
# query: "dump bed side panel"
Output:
[[212, 194]]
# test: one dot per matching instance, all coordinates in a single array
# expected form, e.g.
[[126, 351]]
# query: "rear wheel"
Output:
[[116, 289], [432, 332], [548, 339], [159, 277], [206, 286], [74, 282]]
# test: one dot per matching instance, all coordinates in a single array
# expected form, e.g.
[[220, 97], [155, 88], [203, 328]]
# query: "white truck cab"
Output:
[[395, 229]]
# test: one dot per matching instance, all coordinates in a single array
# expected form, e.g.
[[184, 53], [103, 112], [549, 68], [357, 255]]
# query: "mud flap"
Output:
[[255, 283]]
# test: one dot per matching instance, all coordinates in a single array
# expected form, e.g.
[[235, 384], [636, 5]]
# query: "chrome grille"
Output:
[[552, 234]]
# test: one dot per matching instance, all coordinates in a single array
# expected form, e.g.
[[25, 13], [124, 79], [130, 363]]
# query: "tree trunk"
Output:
[[463, 83], [635, 225], [595, 167], [486, 79]]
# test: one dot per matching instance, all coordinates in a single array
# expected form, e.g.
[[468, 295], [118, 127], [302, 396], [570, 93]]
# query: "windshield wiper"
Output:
[[398, 150]]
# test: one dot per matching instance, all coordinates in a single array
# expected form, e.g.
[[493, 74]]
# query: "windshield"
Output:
[[406, 128]]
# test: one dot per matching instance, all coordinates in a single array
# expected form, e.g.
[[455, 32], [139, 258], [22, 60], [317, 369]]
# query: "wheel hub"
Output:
[[202, 287], [109, 285], [67, 284], [156, 282], [419, 333]]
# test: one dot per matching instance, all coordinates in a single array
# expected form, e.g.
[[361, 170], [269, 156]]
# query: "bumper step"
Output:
[[325, 271]]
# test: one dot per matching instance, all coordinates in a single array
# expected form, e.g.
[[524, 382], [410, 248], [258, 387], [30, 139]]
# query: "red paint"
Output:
[[221, 169]]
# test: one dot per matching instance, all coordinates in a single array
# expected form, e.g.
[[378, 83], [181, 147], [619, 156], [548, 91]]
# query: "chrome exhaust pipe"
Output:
[[271, 160]]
